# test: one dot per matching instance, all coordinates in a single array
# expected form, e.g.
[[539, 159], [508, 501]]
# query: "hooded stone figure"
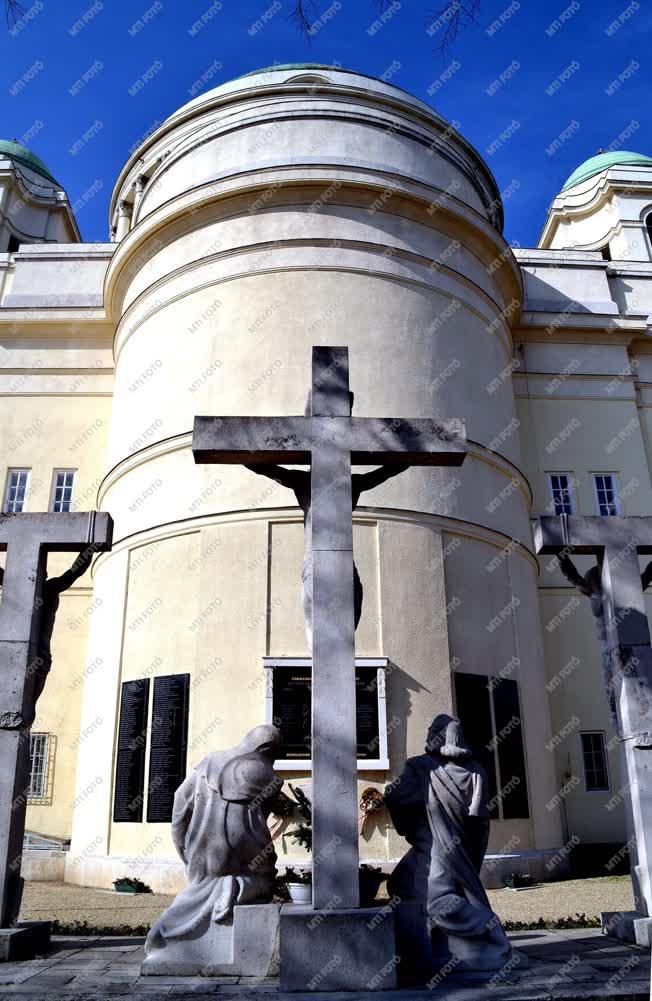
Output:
[[439, 804], [219, 828]]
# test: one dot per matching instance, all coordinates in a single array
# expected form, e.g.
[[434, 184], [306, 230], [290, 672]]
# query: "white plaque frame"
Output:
[[381, 763]]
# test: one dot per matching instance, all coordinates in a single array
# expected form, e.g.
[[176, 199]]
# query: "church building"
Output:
[[296, 206]]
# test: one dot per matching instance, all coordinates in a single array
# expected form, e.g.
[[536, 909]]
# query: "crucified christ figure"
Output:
[[298, 481], [52, 589], [590, 585]]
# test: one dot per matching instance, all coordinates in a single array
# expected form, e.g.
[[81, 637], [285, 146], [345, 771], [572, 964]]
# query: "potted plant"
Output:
[[128, 884], [371, 878], [299, 885]]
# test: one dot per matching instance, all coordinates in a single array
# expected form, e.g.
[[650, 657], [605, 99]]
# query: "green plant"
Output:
[[514, 880], [570, 921], [303, 876], [302, 833], [134, 884], [371, 878]]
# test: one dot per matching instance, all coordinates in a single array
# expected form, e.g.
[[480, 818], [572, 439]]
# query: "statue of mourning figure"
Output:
[[590, 585], [53, 588], [439, 804], [299, 482], [219, 829]]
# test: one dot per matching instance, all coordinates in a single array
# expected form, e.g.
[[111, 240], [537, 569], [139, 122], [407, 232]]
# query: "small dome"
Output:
[[602, 161], [22, 155]]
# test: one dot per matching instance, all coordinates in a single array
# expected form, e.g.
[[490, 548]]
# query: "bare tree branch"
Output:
[[452, 17], [301, 16], [15, 10]]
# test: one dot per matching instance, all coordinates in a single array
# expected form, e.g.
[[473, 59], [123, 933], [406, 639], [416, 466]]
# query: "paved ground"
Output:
[[563, 965], [107, 909]]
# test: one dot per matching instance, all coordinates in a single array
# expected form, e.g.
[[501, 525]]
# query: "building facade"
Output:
[[297, 206]]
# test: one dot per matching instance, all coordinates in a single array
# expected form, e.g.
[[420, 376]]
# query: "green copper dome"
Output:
[[596, 164], [22, 155], [294, 66]]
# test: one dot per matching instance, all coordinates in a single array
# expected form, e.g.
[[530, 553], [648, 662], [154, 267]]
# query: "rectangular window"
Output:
[[606, 494], [38, 765], [17, 480], [594, 754], [561, 489], [489, 711], [62, 484]]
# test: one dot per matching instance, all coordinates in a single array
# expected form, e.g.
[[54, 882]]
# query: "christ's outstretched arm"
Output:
[[290, 478], [572, 574], [79, 567], [367, 481]]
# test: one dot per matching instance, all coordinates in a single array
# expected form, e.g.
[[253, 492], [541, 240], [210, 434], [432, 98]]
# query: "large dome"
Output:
[[22, 155], [602, 161]]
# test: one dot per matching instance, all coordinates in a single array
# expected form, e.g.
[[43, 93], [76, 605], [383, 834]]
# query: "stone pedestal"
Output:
[[245, 946], [337, 950], [425, 954], [25, 941], [629, 926]]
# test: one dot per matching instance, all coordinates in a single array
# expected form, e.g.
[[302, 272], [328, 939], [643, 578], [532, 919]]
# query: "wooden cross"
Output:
[[330, 440], [617, 543], [27, 539]]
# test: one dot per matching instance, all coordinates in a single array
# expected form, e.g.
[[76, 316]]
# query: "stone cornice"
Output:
[[585, 199], [210, 272], [235, 94], [181, 442], [478, 233], [362, 515]]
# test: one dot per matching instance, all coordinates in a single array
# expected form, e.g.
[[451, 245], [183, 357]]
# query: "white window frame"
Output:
[[381, 763], [53, 490], [600, 733], [616, 492], [42, 758], [571, 491], [10, 471]]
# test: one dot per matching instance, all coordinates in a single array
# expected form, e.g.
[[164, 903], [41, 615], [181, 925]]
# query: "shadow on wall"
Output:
[[401, 687]]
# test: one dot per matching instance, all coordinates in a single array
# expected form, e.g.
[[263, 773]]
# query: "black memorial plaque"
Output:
[[168, 744], [130, 760], [366, 710], [291, 711]]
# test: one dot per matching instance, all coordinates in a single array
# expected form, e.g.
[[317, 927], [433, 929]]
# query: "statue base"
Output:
[[431, 958], [629, 926], [27, 940], [246, 946], [467, 957], [337, 950]]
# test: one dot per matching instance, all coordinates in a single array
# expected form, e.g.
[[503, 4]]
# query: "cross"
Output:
[[27, 539], [330, 440], [617, 543]]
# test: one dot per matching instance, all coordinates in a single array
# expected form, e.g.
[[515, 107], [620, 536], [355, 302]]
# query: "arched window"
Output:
[[648, 227]]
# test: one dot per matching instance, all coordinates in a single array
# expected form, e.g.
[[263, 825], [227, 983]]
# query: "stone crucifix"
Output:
[[26, 613], [330, 440], [616, 585]]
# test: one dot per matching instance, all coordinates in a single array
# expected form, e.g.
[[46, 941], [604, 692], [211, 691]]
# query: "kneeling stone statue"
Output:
[[219, 828], [443, 916]]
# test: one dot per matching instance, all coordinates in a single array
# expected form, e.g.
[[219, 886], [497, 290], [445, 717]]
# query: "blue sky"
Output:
[[596, 51]]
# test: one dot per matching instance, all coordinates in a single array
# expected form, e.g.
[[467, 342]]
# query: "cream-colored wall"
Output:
[[583, 410], [55, 405]]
